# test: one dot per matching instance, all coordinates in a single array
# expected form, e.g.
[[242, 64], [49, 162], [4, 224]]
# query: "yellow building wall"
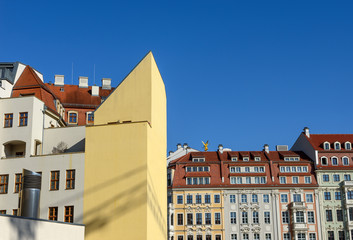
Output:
[[125, 192]]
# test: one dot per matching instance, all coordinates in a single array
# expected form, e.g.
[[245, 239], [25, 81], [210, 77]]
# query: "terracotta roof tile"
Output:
[[317, 140]]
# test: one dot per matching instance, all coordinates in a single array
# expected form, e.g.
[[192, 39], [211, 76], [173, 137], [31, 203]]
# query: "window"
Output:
[[348, 146], [248, 180], [8, 120], [286, 236], [180, 237], [208, 218], [70, 179], [291, 159], [350, 213], [282, 180], [234, 159], [180, 219], [297, 198], [54, 180], [307, 179], [247, 169], [244, 217], [334, 161], [345, 161], [282, 169], [72, 117], [254, 198], [305, 169], [238, 170], [268, 236], [325, 178], [218, 237], [18, 182], [189, 199], [341, 235], [339, 213], [208, 237], [233, 217], [189, 219], [285, 217], [284, 198], [172, 219], [90, 118], [69, 214], [267, 218], [23, 118], [312, 236], [217, 198], [217, 217], [53, 213], [324, 160], [207, 198], [347, 177], [180, 199], [309, 198], [329, 215], [198, 180], [255, 217], [198, 218], [299, 217], [4, 182], [245, 159], [2, 211], [331, 236], [198, 237], [245, 236], [336, 177], [15, 212], [295, 180], [198, 159], [257, 158], [350, 194], [327, 146], [198, 199], [263, 180], [338, 196], [232, 198], [256, 236], [239, 180], [327, 195], [244, 198], [233, 236], [257, 180], [311, 218], [301, 236], [266, 198], [337, 146]]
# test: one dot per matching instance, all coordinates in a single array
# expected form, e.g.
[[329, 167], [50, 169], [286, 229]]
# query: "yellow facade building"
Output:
[[125, 189]]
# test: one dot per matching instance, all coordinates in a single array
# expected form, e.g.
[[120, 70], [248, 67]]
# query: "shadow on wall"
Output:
[[24, 230]]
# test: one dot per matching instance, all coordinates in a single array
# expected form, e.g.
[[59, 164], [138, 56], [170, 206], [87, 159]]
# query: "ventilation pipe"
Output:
[[267, 148], [30, 194], [306, 131]]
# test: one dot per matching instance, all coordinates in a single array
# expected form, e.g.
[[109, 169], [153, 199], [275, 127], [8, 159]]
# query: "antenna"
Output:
[[94, 74], [72, 74]]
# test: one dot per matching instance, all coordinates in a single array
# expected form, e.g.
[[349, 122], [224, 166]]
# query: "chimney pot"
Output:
[[59, 80], [106, 83], [267, 148], [95, 91], [220, 148], [178, 145], [306, 131], [185, 145], [83, 82]]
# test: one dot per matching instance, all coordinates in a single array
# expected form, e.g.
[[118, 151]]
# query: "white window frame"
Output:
[[295, 178], [246, 159], [329, 145], [87, 113], [332, 161], [349, 144], [339, 146], [326, 161], [343, 161]]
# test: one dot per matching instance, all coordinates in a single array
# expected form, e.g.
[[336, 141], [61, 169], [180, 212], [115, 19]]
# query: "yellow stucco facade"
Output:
[[125, 174]]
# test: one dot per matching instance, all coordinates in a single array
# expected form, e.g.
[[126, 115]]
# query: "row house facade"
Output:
[[242, 195]]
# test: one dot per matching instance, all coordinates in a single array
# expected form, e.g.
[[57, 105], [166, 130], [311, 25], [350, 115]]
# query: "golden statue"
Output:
[[205, 145]]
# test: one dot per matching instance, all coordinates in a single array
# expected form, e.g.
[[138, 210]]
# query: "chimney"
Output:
[[29, 196], [306, 131], [220, 148], [59, 80], [185, 146], [95, 91], [170, 153], [178, 145], [106, 83], [83, 82], [281, 147], [267, 148]]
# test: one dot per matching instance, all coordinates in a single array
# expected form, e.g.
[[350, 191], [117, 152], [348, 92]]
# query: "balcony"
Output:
[[297, 206], [299, 227]]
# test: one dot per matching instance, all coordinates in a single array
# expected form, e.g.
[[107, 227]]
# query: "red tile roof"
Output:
[[317, 140]]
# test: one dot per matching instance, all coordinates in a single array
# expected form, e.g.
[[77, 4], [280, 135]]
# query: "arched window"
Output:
[[334, 161], [326, 145], [337, 146], [348, 146], [324, 160], [345, 161]]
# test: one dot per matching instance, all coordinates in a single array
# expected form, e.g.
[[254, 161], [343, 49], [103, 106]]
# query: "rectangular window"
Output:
[[347, 177], [338, 196], [15, 212], [245, 236], [297, 198], [244, 217], [268, 236], [312, 236], [307, 180], [244, 198], [248, 180], [329, 215], [208, 237], [172, 219], [180, 219], [53, 213], [90, 118], [233, 236], [189, 199], [282, 180], [217, 218], [299, 217], [2, 211], [339, 215], [267, 218], [255, 217], [256, 236], [199, 218], [285, 217], [327, 195], [218, 237], [70, 179], [8, 120], [208, 218], [341, 235], [72, 117], [207, 198], [325, 178], [330, 235], [284, 198], [233, 217], [180, 237], [69, 214], [311, 218], [23, 118], [350, 212], [190, 237], [189, 219], [217, 198], [54, 180], [309, 198], [232, 198], [301, 236], [295, 180], [266, 198], [286, 236], [198, 199], [18, 182], [254, 198], [4, 183], [336, 177], [350, 194]]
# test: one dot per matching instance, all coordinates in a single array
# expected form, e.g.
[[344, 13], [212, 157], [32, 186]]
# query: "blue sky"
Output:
[[240, 73]]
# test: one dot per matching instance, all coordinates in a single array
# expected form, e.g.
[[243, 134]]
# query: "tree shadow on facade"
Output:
[[25, 230]]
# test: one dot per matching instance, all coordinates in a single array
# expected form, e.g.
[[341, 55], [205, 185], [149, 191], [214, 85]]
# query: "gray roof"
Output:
[[8, 71]]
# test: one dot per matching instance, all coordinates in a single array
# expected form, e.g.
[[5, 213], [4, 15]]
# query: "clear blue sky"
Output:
[[240, 73]]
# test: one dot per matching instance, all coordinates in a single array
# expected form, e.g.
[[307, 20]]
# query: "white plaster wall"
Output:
[[5, 89], [19, 72], [45, 164], [49, 121], [74, 137], [18, 228]]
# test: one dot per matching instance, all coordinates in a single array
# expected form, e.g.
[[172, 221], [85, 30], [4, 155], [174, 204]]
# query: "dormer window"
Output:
[[326, 145], [234, 159], [198, 159], [334, 161], [245, 159], [337, 146], [323, 160], [348, 146], [345, 161], [291, 159], [257, 159]]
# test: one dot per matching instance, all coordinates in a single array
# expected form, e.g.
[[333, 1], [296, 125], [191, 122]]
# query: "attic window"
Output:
[[245, 159], [257, 159], [348, 146], [234, 159], [198, 159], [337, 146], [61, 89], [326, 145], [291, 159]]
